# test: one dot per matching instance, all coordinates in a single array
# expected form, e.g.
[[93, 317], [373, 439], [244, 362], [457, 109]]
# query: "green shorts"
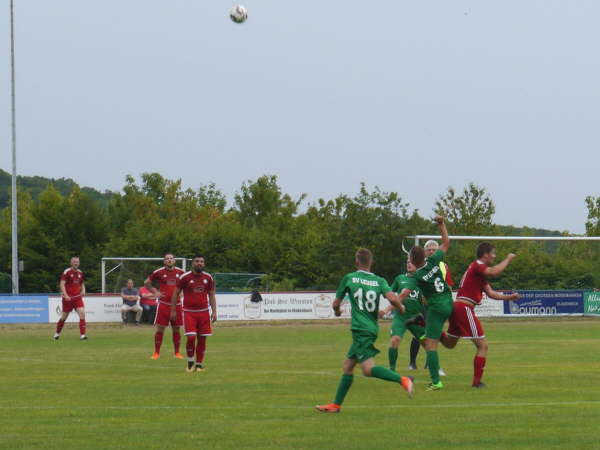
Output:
[[362, 347], [437, 313], [399, 327]]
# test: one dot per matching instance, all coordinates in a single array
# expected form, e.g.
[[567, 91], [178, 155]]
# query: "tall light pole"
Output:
[[15, 241]]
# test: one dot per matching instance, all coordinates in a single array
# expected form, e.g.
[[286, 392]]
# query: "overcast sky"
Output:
[[410, 96]]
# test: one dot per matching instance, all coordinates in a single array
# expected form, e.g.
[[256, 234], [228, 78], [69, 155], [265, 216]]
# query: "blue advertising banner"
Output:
[[23, 309], [536, 303]]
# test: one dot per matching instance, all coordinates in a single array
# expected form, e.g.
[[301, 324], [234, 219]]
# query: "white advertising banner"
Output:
[[490, 307], [279, 306], [97, 309]]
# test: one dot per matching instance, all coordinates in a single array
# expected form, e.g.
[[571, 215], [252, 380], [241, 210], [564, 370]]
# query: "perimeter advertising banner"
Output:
[[97, 309], [23, 309], [546, 303], [592, 303]]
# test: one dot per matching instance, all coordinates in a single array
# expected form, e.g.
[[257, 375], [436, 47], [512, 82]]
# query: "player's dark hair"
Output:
[[364, 257], [483, 248], [417, 256], [198, 255]]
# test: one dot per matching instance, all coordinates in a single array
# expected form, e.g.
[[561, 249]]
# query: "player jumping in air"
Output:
[[166, 277], [430, 247], [363, 289], [72, 288], [430, 279], [464, 322], [198, 289]]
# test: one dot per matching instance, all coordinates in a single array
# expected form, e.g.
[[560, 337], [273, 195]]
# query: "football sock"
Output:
[[343, 388], [415, 345], [59, 325], [190, 347], [200, 348], [433, 364], [478, 365], [385, 374], [393, 357], [176, 340], [158, 337], [82, 326]]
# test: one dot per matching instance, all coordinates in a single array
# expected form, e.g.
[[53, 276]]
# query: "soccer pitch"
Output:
[[262, 382]]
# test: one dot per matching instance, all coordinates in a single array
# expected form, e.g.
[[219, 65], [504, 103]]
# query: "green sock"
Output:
[[393, 357], [385, 374], [343, 388], [433, 363]]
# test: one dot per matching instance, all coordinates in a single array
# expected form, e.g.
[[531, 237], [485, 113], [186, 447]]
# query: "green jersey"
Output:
[[413, 302], [363, 289], [431, 280]]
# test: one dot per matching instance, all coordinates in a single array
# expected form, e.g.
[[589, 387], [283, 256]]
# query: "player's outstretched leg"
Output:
[[371, 370], [342, 390]]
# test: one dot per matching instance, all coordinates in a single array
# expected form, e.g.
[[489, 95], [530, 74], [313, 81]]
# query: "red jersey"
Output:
[[473, 283], [196, 287], [73, 279], [144, 300], [167, 282]]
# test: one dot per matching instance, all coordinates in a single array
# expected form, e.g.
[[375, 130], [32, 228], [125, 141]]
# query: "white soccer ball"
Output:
[[238, 14]]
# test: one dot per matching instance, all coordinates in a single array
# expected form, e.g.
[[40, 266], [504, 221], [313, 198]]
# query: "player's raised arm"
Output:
[[445, 245], [491, 293], [496, 270]]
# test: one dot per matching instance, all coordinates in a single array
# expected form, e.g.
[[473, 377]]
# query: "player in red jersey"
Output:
[[166, 277], [463, 321], [72, 288], [198, 289]]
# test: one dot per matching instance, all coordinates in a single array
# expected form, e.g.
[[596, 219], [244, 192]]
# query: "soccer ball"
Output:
[[238, 14]]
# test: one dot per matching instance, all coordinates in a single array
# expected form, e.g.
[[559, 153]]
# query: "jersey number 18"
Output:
[[371, 300]]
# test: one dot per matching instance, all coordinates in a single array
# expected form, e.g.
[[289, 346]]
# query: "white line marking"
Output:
[[253, 406]]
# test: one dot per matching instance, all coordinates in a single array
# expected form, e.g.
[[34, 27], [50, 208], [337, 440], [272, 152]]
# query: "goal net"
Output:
[[117, 270]]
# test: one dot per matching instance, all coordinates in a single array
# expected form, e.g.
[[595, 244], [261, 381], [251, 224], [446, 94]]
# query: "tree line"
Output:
[[299, 245]]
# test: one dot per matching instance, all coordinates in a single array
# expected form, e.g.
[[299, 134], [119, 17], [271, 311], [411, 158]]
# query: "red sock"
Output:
[[176, 340], [82, 326], [158, 337], [478, 365], [443, 336], [190, 347], [200, 349], [59, 325]]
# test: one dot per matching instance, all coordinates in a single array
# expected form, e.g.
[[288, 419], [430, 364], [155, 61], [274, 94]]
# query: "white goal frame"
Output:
[[418, 238], [106, 259]]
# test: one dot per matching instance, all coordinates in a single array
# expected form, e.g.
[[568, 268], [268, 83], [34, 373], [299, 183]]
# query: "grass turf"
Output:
[[262, 382]]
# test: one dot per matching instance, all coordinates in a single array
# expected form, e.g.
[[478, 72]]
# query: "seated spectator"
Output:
[[149, 303], [130, 298]]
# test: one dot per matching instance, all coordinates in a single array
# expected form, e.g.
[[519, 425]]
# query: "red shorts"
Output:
[[75, 303], [197, 322], [464, 323], [163, 316]]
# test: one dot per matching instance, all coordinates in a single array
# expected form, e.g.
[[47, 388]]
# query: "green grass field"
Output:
[[262, 382]]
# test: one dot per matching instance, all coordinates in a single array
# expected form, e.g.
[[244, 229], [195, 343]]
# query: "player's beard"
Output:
[[198, 269]]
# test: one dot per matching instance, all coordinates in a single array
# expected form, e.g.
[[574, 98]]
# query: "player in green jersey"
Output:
[[364, 289], [429, 278], [411, 319]]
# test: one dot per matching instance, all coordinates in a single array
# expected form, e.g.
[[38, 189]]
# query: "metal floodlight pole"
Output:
[[15, 235]]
